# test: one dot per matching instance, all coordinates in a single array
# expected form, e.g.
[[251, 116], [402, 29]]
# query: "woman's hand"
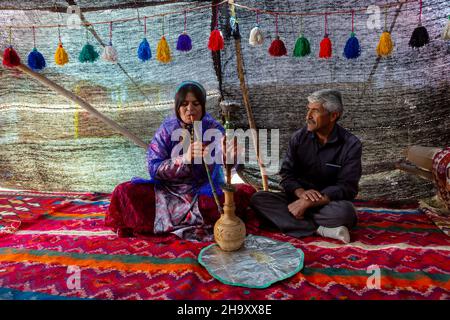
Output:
[[195, 151]]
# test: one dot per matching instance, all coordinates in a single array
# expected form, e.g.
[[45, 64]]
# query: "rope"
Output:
[[257, 10], [125, 19], [353, 24]]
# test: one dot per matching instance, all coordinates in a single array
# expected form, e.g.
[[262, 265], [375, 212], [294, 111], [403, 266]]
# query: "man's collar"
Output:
[[334, 135]]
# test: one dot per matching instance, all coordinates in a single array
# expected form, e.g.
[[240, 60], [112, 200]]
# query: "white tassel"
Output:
[[256, 37], [446, 33], [110, 54]]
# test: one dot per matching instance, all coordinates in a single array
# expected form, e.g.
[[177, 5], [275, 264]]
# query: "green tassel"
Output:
[[302, 47], [88, 54]]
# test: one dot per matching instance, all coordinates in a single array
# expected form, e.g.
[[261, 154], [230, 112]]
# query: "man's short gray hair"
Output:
[[330, 99]]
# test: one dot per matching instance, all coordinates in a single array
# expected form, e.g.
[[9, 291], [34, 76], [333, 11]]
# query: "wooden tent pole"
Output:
[[69, 95], [251, 120]]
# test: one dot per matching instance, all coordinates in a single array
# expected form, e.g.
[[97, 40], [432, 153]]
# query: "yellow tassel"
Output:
[[385, 46], [163, 51], [61, 56]]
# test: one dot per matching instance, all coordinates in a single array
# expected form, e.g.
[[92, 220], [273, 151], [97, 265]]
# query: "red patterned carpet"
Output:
[[61, 234]]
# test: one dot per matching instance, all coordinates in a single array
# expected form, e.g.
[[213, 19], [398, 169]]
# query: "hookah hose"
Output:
[[211, 183]]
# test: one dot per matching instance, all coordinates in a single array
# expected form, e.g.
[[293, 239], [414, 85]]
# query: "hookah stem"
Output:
[[213, 189]]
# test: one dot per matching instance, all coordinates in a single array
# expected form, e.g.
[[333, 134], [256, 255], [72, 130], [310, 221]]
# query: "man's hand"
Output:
[[298, 207], [312, 195]]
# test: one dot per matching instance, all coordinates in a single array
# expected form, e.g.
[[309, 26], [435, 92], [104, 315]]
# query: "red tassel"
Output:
[[277, 48], [215, 41], [10, 58], [325, 48]]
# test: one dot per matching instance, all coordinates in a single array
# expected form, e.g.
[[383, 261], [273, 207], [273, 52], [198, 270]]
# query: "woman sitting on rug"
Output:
[[178, 199]]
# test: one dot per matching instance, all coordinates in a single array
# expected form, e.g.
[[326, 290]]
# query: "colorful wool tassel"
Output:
[[36, 60], [352, 49], [61, 56], [163, 51], [144, 52], [325, 45], [446, 32], [10, 58], [88, 53], [277, 48], [109, 52], [184, 42], [216, 42], [256, 37], [325, 48], [420, 36], [302, 47], [385, 45]]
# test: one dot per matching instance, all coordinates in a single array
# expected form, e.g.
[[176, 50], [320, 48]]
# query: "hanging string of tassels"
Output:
[[302, 47], [420, 36], [36, 60], [109, 52], [10, 57], [163, 50], [446, 32], [184, 42], [352, 50], [215, 42], [256, 37], [385, 45], [277, 47], [325, 44], [144, 52], [88, 53], [61, 56]]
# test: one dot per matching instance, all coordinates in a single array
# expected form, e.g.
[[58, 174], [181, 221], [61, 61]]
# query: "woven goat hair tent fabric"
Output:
[[52, 144]]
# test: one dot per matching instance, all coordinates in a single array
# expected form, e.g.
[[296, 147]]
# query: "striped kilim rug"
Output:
[[63, 251]]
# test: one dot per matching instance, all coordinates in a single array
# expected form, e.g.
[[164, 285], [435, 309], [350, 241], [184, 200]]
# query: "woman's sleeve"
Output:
[[160, 164]]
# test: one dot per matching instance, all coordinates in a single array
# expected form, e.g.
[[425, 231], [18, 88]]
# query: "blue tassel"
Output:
[[36, 60], [144, 52], [352, 49], [184, 42]]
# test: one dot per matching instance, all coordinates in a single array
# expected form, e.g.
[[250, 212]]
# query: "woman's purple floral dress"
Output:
[[178, 184]]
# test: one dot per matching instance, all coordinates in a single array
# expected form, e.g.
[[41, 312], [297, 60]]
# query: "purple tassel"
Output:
[[184, 42]]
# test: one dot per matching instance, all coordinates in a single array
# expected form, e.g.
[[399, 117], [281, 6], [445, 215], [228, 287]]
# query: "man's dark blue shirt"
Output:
[[333, 169]]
